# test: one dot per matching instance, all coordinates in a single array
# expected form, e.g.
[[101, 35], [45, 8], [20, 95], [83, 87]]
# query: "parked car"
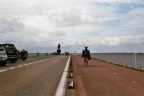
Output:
[[3, 56], [66, 53], [55, 53], [12, 52]]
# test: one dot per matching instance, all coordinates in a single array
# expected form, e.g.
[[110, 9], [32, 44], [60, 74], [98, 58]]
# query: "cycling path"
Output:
[[104, 79]]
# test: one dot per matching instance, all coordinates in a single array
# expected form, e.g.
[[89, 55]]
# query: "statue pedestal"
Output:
[[59, 51]]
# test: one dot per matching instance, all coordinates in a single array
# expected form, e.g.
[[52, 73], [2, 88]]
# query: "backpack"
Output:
[[86, 53]]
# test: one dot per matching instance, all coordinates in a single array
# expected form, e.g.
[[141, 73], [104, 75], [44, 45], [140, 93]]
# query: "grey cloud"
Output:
[[57, 34], [10, 25], [125, 40], [67, 18]]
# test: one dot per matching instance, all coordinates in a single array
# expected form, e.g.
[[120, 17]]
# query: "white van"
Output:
[[3, 56]]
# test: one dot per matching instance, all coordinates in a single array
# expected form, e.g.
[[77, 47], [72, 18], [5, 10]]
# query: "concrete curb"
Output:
[[62, 85]]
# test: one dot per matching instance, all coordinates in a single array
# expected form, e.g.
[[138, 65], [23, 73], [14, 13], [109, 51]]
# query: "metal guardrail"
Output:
[[37, 54], [135, 60]]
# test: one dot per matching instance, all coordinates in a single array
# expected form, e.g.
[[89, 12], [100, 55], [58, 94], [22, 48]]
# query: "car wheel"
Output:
[[13, 61], [3, 63]]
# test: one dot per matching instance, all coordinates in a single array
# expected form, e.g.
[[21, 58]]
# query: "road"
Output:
[[105, 79], [37, 76]]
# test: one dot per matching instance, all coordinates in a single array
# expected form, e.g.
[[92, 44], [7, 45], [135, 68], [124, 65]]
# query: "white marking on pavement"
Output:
[[20, 66], [61, 88], [12, 68], [26, 64], [3, 70]]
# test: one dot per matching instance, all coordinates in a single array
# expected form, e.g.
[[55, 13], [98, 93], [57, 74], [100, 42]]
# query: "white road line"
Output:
[[20, 66], [12, 68], [3, 70], [27, 64], [61, 88], [30, 63]]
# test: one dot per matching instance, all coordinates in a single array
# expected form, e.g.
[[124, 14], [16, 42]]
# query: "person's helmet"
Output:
[[86, 46]]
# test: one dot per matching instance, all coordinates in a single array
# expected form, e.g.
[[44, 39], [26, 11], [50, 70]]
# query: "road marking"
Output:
[[20, 66], [27, 64], [3, 70], [61, 87], [30, 63], [12, 68]]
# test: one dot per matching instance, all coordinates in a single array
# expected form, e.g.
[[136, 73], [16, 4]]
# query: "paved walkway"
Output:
[[104, 79]]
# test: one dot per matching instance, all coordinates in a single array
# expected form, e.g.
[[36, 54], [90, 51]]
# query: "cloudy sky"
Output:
[[102, 25]]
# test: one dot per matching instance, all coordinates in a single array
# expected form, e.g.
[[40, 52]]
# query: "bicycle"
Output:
[[85, 61], [86, 55]]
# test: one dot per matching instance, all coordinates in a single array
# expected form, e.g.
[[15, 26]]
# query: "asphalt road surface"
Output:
[[37, 76]]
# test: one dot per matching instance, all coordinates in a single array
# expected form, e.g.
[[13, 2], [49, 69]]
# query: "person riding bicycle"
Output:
[[86, 55]]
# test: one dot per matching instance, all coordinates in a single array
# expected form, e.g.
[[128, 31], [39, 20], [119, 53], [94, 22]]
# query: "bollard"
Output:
[[70, 85], [71, 70], [71, 75]]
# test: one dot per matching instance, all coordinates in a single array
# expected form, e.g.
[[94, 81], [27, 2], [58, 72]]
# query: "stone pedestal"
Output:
[[59, 51]]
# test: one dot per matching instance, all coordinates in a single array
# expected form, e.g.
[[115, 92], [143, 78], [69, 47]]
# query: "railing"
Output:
[[37, 54], [135, 60]]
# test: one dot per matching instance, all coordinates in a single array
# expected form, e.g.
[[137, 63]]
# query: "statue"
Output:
[[58, 46], [59, 51]]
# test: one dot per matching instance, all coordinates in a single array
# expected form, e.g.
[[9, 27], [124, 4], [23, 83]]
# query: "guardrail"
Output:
[[37, 54], [135, 60]]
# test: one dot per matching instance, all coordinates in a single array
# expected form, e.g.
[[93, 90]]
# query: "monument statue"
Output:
[[59, 50], [58, 46]]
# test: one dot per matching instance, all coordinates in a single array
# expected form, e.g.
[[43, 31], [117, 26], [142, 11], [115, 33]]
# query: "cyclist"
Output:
[[86, 55]]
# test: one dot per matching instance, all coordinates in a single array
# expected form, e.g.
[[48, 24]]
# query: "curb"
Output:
[[62, 85]]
